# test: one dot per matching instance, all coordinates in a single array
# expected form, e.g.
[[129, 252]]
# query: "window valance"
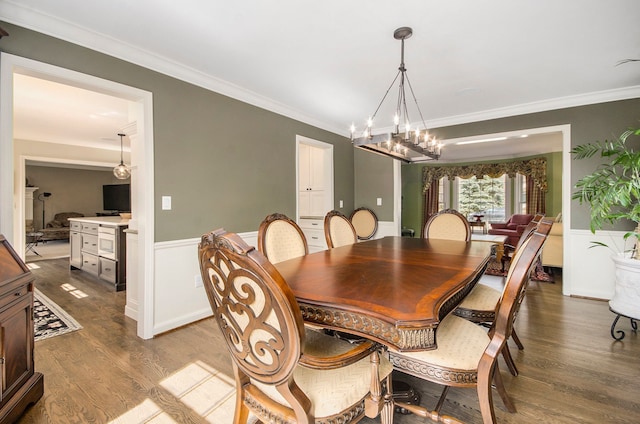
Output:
[[535, 168]]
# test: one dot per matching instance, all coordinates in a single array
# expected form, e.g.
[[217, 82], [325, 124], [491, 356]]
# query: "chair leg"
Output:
[[485, 395], [506, 354], [516, 339], [506, 399]]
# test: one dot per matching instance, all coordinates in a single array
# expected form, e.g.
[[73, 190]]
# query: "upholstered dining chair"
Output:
[[479, 305], [365, 222], [466, 355], [280, 238], [338, 230], [282, 373], [447, 224]]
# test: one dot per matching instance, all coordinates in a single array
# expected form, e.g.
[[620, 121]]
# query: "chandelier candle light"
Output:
[[408, 145]]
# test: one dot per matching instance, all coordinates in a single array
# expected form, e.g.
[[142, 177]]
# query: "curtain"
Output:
[[534, 168], [535, 197], [431, 200]]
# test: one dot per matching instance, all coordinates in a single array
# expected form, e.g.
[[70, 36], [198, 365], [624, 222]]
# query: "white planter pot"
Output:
[[626, 298]]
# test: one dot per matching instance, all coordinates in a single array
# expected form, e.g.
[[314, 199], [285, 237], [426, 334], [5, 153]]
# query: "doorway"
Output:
[[12, 206]]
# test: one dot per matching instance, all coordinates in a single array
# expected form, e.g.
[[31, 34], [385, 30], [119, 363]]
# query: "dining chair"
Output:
[[338, 230], [479, 306], [447, 224], [280, 238], [365, 222], [283, 374], [466, 355]]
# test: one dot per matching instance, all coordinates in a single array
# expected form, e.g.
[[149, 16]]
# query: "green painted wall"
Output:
[[224, 162], [374, 179]]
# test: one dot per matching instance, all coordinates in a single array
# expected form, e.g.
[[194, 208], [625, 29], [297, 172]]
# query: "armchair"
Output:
[[513, 228]]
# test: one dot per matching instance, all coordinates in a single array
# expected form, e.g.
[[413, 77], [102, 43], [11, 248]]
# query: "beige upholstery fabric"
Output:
[[320, 386], [447, 226], [282, 242], [461, 344], [364, 223], [341, 232], [552, 251], [481, 298]]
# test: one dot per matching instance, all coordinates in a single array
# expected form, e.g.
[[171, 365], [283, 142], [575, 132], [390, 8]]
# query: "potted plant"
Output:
[[613, 193]]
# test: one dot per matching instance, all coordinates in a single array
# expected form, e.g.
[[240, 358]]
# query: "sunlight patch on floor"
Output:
[[146, 412], [205, 390], [73, 291], [200, 387]]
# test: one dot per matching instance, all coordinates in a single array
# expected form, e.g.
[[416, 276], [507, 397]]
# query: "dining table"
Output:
[[393, 290]]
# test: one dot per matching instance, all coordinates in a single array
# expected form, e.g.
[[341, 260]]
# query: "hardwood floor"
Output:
[[571, 370]]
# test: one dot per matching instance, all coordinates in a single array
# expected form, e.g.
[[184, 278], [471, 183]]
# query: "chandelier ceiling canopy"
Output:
[[406, 143]]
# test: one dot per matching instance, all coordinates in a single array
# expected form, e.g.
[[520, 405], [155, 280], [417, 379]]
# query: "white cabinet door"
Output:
[[317, 203], [316, 168], [304, 203], [311, 168]]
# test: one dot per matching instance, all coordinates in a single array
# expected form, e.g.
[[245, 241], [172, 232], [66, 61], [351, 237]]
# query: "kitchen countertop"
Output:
[[106, 220]]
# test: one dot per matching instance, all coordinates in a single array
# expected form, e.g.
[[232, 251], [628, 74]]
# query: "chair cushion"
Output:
[[461, 344], [331, 391], [481, 298]]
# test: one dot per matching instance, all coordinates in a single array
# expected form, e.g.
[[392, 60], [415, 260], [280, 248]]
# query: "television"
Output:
[[116, 197]]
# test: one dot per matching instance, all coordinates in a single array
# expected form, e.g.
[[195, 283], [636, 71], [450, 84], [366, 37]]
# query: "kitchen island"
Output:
[[98, 246]]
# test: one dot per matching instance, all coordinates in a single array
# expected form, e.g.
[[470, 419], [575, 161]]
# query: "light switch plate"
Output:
[[379, 201], [166, 203]]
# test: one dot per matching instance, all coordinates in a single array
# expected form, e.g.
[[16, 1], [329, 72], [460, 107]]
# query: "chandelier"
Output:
[[410, 144]]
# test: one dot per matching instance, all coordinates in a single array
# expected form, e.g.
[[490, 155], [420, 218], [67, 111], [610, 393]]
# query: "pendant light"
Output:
[[121, 172]]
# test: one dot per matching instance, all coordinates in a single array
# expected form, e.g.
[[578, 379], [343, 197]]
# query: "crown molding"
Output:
[[15, 13], [541, 106]]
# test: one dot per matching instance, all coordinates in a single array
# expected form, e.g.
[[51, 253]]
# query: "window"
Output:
[[521, 194], [485, 196]]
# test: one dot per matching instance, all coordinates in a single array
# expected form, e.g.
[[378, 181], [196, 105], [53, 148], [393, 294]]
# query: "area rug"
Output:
[[538, 273], [50, 320]]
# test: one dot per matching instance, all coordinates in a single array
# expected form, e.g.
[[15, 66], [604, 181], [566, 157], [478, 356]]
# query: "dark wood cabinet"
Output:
[[21, 385]]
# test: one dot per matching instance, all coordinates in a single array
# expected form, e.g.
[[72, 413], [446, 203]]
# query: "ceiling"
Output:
[[329, 63]]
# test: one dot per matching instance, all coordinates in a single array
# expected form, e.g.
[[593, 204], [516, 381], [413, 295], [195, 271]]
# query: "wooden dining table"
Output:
[[393, 290]]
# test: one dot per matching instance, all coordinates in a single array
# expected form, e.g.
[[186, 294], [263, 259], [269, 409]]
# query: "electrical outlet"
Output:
[[198, 280], [341, 204]]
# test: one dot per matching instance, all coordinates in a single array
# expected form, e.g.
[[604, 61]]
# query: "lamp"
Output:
[[42, 197], [409, 145], [122, 172]]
